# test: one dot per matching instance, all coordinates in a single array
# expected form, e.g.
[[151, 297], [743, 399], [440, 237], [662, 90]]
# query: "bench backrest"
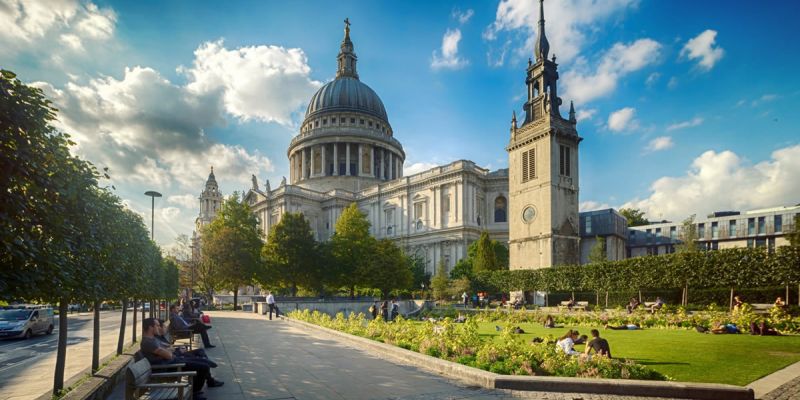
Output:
[[582, 303], [565, 302], [138, 373]]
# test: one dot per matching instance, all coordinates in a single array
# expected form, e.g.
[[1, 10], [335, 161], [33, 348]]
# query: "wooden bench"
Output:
[[139, 382], [579, 305], [762, 308], [179, 334]]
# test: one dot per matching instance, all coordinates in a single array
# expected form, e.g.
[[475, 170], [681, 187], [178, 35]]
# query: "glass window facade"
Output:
[[779, 223], [751, 226], [732, 228], [762, 225], [714, 230]]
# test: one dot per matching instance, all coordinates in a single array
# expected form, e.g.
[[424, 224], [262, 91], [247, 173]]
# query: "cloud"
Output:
[[685, 124], [585, 114], [184, 200], [415, 168], [449, 59], [725, 181], [591, 205], [659, 143], [463, 17], [265, 83], [568, 23], [623, 120], [30, 25], [702, 48], [673, 83], [652, 79], [763, 99], [583, 85]]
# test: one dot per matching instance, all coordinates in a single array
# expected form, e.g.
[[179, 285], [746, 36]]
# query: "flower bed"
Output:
[[461, 343]]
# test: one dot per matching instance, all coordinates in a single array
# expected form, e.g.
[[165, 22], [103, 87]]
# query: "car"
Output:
[[24, 321], [146, 306], [74, 307]]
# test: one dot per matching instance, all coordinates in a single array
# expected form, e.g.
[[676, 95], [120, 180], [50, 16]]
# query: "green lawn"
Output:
[[685, 355]]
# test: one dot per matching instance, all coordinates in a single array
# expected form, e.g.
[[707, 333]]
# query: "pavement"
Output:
[[780, 385], [27, 366], [263, 359]]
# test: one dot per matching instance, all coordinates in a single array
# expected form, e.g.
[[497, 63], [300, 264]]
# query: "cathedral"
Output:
[[346, 152]]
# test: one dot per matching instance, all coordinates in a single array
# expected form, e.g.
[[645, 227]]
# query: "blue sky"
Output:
[[685, 107]]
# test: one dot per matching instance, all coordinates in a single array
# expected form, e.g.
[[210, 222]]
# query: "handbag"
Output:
[[205, 318]]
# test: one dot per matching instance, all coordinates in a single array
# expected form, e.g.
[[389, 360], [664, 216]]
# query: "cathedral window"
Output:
[[528, 165], [316, 123], [500, 206], [324, 121], [370, 124], [419, 210], [564, 160], [352, 120], [361, 121], [333, 120]]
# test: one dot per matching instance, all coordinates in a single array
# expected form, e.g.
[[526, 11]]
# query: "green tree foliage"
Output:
[[485, 258], [482, 255], [290, 256], [634, 216], [688, 236], [419, 273], [352, 246], [794, 236], [463, 268], [390, 269], [598, 252], [440, 283], [232, 246]]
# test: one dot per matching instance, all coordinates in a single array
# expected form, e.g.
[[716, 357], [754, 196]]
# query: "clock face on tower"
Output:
[[528, 214]]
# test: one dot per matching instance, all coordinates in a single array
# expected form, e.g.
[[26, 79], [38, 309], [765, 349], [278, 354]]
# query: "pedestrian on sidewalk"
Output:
[[465, 299], [385, 311], [373, 309], [395, 309], [272, 306]]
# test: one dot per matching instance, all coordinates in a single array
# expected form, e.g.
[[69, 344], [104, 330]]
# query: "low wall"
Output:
[[547, 384], [102, 384], [334, 307]]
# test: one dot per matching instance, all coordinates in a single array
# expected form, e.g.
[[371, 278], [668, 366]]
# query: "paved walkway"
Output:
[[780, 385]]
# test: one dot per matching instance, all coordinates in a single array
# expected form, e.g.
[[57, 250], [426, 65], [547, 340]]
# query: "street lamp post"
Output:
[[153, 195]]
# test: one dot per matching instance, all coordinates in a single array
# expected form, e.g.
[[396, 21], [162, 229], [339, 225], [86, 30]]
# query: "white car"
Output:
[[25, 321]]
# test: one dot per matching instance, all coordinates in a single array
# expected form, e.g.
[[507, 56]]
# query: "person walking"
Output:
[[373, 309], [272, 306], [465, 299], [385, 310], [395, 310]]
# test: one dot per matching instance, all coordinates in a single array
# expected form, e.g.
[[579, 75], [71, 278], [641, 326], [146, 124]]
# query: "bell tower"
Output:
[[543, 171]]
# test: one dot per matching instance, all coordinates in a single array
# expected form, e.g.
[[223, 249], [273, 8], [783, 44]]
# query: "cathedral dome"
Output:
[[346, 94]]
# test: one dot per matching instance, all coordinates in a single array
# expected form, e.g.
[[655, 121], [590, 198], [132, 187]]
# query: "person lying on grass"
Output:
[[720, 328], [628, 327]]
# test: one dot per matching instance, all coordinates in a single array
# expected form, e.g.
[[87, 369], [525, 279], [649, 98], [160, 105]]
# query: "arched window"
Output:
[[500, 205]]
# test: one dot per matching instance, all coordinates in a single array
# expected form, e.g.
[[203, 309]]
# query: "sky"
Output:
[[685, 107]]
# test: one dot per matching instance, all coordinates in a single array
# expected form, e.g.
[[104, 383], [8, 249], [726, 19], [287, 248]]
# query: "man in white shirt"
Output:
[[272, 305]]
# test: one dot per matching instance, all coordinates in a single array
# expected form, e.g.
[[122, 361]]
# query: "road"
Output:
[[27, 366]]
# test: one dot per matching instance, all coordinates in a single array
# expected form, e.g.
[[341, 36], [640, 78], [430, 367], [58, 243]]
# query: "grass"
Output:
[[685, 355]]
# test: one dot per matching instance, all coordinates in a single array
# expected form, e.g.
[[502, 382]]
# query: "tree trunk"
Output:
[[597, 297], [143, 316], [352, 292], [731, 301], [96, 338], [606, 298], [152, 307], [787, 294], [640, 296], [61, 353], [235, 299], [121, 341], [133, 329]]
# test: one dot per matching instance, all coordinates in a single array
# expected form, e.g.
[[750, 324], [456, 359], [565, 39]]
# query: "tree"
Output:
[[232, 245], [794, 236], [389, 268], [463, 268], [485, 258], [634, 216], [440, 283], [352, 247], [290, 255], [598, 252], [419, 272], [688, 236]]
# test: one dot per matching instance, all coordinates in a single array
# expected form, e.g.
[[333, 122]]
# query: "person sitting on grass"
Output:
[[598, 344], [567, 342], [720, 328], [460, 319], [657, 305], [549, 322], [762, 329], [626, 327], [582, 339]]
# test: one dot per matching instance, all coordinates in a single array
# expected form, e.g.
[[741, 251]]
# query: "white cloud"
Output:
[[702, 47], [623, 120], [583, 85], [673, 83], [415, 168], [696, 121], [463, 17], [652, 79], [569, 24], [591, 205], [188, 201], [585, 114], [724, 181], [266, 83], [448, 58], [763, 99], [660, 143], [44, 24]]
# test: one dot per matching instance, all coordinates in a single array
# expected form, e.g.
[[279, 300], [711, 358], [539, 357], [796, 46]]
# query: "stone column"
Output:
[[335, 159], [391, 166], [359, 160], [311, 163], [303, 164], [324, 148], [372, 169], [347, 159]]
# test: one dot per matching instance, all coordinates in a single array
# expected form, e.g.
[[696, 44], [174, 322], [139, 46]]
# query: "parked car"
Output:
[[25, 321], [74, 307]]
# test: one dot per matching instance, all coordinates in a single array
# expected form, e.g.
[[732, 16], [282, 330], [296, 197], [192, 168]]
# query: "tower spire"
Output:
[[572, 112], [542, 46], [347, 57]]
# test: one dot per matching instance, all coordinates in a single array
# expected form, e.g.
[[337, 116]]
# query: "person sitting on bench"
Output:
[[657, 305], [156, 354], [199, 354], [177, 323]]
